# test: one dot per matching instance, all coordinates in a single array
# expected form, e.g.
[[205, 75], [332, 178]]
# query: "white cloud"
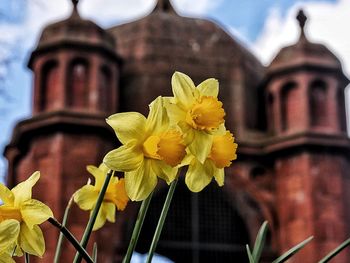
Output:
[[326, 24], [196, 7]]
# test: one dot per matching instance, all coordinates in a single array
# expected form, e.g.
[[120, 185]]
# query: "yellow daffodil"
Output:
[[197, 111], [150, 148], [115, 196], [29, 213], [222, 153]]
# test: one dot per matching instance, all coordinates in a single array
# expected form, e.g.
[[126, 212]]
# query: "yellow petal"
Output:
[[141, 182], [209, 87], [219, 175], [164, 171], [157, 118], [32, 240], [35, 212], [6, 258], [99, 173], [6, 195], [107, 212], [23, 191], [198, 176], [9, 231], [201, 145], [183, 89], [128, 126], [125, 158], [86, 197], [187, 131], [175, 113]]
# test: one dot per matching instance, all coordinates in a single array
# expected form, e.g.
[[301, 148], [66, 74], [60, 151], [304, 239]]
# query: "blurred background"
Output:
[[261, 26], [291, 171]]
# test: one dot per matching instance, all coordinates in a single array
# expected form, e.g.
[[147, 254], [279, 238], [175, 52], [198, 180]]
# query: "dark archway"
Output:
[[318, 103], [78, 72], [48, 85], [289, 101], [200, 227]]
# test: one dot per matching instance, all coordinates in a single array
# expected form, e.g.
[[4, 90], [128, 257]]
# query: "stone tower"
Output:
[[76, 74], [306, 113]]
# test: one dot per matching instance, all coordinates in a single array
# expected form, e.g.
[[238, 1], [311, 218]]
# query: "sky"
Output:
[[263, 26]]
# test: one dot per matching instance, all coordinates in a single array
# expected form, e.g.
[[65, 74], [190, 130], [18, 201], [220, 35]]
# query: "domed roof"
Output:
[[155, 46], [75, 30], [304, 53]]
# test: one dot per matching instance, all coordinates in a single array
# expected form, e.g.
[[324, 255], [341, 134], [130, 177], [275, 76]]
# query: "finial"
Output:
[[75, 7], [164, 6], [301, 17]]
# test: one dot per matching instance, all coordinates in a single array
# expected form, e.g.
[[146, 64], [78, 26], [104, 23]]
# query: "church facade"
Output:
[[288, 119]]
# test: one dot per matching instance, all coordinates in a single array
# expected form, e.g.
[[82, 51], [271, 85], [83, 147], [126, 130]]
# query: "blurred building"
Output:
[[288, 118]]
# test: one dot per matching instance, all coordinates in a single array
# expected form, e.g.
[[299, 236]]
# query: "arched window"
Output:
[[78, 83], [104, 88], [270, 112], [289, 102], [49, 85], [200, 227], [318, 103], [341, 110]]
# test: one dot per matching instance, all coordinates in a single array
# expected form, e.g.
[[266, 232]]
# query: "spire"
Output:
[[75, 12], [301, 17], [164, 6]]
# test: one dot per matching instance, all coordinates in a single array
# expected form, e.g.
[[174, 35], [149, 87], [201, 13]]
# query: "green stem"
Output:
[[26, 258], [60, 238], [137, 228], [90, 225], [161, 220], [71, 239]]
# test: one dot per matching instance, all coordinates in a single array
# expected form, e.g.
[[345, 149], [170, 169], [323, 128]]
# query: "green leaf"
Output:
[[335, 252], [292, 251], [94, 253], [260, 242], [60, 238], [250, 256]]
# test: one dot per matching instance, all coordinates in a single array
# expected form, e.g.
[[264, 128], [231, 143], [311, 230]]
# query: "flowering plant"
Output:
[[185, 132]]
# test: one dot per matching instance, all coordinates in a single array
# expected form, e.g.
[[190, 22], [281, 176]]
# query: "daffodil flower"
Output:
[[222, 153], [197, 111], [29, 213], [150, 148], [115, 196]]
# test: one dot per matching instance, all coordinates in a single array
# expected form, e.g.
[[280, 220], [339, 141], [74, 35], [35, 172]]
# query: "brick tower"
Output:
[[288, 119], [306, 114], [75, 87]]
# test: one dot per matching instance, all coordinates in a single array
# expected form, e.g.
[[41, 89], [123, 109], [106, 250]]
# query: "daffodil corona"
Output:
[[197, 111], [150, 148], [115, 196], [221, 155], [20, 216]]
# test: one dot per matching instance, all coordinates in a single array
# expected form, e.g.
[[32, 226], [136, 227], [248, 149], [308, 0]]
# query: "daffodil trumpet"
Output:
[[92, 220], [137, 228]]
